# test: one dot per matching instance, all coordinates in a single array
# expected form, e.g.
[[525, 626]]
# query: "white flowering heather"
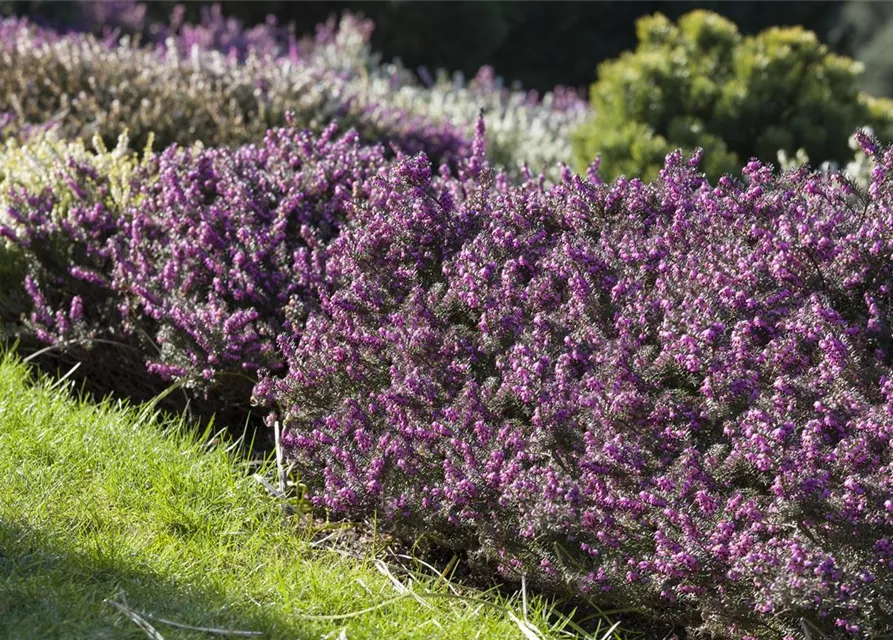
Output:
[[522, 127]]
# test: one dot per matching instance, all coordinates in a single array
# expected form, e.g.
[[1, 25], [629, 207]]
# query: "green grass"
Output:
[[111, 520]]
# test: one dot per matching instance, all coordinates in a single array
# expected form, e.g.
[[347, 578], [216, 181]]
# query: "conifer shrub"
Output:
[[669, 395], [700, 83]]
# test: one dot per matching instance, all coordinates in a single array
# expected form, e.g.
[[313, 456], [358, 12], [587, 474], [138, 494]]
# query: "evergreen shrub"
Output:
[[700, 83]]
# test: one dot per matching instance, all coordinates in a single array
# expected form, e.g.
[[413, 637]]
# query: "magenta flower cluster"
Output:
[[675, 395], [68, 259], [221, 252], [225, 250], [672, 394]]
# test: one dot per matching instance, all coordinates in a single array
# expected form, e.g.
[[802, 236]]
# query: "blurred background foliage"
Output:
[[865, 32], [761, 83], [539, 44]]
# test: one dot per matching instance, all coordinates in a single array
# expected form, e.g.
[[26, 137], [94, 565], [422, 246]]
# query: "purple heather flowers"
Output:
[[674, 395]]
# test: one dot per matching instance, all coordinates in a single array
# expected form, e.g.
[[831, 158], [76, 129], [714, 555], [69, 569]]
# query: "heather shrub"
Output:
[[65, 231], [669, 395], [46, 187], [44, 161], [525, 127], [336, 75], [227, 247], [213, 255], [700, 83], [511, 37], [92, 87]]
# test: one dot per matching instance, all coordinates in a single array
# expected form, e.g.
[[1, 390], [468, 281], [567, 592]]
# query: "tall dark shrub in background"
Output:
[[553, 43], [540, 44]]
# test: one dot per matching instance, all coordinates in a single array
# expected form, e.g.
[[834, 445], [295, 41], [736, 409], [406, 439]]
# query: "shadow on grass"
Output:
[[119, 371], [50, 591]]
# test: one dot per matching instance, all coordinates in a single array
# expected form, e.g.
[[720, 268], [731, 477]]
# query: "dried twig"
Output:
[[137, 619], [276, 493], [280, 467], [212, 630], [142, 621]]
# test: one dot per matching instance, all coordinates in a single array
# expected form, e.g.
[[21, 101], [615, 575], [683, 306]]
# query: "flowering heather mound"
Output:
[[215, 254], [57, 226], [59, 204], [90, 86], [670, 395], [335, 74], [226, 249], [229, 35], [46, 162]]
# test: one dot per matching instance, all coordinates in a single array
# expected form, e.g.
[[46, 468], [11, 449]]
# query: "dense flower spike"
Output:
[[672, 394], [227, 248]]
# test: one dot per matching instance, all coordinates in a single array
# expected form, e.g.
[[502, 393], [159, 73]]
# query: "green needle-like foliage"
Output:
[[700, 83]]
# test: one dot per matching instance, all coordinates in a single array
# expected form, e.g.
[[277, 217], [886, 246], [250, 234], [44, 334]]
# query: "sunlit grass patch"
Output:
[[114, 524]]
